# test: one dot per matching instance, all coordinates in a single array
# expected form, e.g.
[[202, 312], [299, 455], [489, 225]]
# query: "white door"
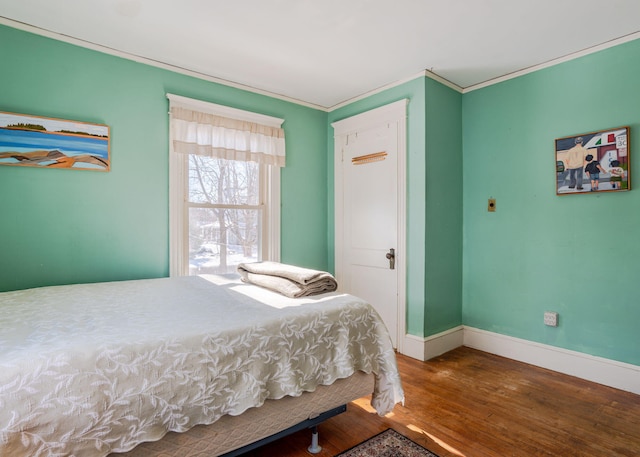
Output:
[[370, 211]]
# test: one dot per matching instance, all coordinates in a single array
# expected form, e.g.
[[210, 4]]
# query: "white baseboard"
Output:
[[620, 375], [434, 345], [608, 372]]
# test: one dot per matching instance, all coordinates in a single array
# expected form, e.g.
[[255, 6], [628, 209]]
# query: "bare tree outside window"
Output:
[[225, 214]]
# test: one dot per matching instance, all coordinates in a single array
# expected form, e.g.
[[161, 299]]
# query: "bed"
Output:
[[94, 369]]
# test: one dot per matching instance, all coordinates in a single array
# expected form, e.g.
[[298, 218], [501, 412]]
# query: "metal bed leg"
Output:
[[314, 448], [306, 424]]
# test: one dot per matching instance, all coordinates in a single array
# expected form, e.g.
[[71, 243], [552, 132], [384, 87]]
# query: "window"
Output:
[[225, 214], [224, 187]]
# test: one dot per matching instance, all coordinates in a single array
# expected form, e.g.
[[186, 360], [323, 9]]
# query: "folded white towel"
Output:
[[288, 280]]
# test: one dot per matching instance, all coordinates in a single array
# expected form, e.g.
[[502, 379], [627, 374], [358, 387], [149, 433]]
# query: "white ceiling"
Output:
[[324, 52]]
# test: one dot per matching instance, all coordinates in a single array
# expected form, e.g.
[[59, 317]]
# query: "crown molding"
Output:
[[154, 63], [421, 74], [554, 62], [424, 73]]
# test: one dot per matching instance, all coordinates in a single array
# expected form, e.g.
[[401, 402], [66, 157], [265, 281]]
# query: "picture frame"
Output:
[[593, 162], [35, 141]]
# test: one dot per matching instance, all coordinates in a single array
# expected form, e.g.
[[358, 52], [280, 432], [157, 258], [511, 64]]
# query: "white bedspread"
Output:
[[90, 369]]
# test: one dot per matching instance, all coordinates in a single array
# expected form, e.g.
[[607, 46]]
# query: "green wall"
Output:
[[444, 189], [70, 226], [434, 197], [577, 254]]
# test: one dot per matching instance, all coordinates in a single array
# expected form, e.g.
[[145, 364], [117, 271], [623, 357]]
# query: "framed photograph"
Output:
[[593, 162], [33, 141]]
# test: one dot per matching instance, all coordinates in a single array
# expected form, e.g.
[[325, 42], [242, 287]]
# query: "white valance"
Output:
[[195, 131]]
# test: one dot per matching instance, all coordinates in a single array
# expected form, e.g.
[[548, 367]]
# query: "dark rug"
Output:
[[387, 444]]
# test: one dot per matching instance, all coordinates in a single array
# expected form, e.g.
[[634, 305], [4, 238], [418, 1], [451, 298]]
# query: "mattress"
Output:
[[98, 368]]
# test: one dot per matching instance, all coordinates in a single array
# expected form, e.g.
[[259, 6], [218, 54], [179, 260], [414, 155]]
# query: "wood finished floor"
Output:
[[473, 404]]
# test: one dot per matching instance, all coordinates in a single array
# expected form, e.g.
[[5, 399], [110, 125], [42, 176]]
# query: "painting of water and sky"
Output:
[[53, 143]]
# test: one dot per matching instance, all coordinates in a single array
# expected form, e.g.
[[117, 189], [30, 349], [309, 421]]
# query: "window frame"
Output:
[[179, 192]]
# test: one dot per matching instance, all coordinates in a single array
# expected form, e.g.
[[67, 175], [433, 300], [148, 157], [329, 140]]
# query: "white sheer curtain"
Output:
[[203, 133]]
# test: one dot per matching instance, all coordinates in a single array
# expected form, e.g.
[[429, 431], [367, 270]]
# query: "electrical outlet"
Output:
[[551, 318]]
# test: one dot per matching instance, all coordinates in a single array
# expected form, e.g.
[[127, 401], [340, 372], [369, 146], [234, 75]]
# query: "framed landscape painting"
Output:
[[33, 141], [593, 162]]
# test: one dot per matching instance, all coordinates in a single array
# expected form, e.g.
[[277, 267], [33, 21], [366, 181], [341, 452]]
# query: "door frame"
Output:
[[393, 112]]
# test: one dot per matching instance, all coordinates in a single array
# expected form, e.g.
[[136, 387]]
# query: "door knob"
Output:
[[391, 255]]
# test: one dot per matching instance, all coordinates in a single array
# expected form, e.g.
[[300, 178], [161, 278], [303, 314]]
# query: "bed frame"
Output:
[[232, 436]]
